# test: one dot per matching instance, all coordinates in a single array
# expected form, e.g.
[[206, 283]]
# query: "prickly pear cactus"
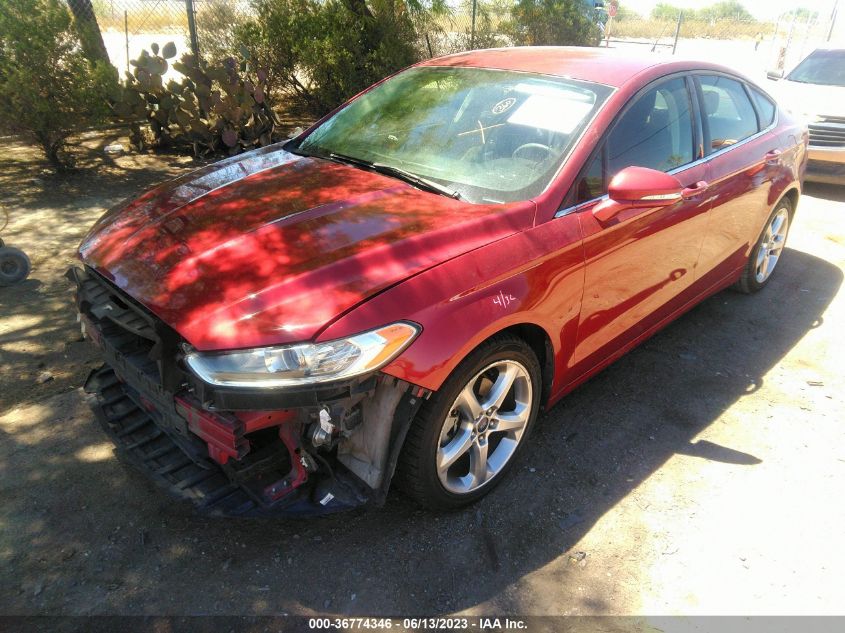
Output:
[[213, 109]]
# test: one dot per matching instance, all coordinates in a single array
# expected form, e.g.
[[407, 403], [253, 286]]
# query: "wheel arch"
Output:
[[793, 195], [541, 344], [791, 192], [534, 335]]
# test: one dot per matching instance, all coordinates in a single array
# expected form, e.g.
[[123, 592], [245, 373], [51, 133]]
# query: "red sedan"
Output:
[[399, 290]]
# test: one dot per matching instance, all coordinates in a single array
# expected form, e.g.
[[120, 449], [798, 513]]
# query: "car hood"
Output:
[[811, 100], [269, 248]]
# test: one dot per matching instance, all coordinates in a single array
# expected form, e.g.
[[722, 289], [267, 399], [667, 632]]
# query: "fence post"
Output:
[[472, 32], [126, 36], [678, 31], [192, 28]]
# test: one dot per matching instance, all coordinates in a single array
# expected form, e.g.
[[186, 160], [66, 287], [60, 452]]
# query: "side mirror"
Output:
[[775, 75], [638, 188]]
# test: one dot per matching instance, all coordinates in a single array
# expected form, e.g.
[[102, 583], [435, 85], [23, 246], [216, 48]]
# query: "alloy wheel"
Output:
[[772, 245], [484, 427]]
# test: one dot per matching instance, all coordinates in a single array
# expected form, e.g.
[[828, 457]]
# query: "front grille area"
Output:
[[142, 443], [143, 340], [828, 133], [214, 459]]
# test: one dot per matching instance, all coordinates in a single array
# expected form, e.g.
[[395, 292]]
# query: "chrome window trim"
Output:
[[577, 207], [730, 148], [695, 163]]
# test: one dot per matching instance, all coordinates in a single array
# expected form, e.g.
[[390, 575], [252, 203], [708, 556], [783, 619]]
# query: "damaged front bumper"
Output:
[[236, 451]]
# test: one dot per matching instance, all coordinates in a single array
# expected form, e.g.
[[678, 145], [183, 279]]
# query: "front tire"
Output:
[[468, 434], [767, 251]]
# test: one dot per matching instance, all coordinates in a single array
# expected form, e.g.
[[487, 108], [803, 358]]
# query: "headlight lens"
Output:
[[304, 364]]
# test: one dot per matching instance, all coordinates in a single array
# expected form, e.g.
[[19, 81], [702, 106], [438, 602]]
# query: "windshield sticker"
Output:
[[556, 113], [504, 105]]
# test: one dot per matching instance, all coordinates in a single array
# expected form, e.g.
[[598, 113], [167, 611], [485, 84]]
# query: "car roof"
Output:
[[609, 67]]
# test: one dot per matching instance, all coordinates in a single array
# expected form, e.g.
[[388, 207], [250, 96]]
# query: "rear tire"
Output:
[[767, 251], [14, 266], [468, 434]]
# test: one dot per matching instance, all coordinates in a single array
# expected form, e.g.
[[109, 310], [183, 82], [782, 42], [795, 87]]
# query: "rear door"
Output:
[[638, 270], [743, 159]]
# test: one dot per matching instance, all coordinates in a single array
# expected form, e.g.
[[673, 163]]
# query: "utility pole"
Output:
[[833, 19]]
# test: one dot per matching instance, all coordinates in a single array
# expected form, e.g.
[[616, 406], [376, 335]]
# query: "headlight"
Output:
[[306, 363]]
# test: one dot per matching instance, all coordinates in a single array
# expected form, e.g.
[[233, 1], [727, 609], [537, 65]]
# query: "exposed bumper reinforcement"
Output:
[[142, 443]]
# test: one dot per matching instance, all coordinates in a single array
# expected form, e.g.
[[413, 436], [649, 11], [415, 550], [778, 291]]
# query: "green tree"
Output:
[[48, 89], [727, 10], [801, 14], [321, 52], [89, 31], [666, 11], [553, 23]]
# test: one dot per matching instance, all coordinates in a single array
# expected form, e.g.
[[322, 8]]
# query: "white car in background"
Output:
[[815, 89]]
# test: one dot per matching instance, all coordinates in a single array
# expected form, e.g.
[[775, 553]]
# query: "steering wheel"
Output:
[[532, 148]]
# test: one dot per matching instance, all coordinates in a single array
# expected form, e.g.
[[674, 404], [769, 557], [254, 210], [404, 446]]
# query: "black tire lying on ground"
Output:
[[14, 266]]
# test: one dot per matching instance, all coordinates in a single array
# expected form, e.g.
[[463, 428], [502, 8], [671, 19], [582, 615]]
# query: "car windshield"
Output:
[[826, 68], [489, 136]]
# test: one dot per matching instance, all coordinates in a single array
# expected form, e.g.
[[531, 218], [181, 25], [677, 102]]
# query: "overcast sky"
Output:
[[759, 8]]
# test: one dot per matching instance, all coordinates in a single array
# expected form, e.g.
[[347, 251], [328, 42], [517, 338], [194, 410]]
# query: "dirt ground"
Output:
[[701, 474]]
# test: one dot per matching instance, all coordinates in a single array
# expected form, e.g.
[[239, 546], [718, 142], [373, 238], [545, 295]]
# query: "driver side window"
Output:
[[656, 131]]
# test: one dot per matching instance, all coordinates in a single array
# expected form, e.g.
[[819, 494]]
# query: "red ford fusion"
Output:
[[395, 294]]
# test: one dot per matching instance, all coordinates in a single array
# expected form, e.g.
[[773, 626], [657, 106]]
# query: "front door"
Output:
[[636, 271]]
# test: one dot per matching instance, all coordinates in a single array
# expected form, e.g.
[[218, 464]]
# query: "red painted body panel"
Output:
[[611, 68], [273, 248], [633, 269], [237, 258], [533, 277]]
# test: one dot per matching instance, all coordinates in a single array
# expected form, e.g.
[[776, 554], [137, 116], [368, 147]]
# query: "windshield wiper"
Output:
[[417, 181], [397, 172], [343, 158]]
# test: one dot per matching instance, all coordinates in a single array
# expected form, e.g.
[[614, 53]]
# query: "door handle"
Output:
[[694, 191], [773, 157]]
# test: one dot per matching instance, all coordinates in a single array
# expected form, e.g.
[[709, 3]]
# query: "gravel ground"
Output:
[[701, 474]]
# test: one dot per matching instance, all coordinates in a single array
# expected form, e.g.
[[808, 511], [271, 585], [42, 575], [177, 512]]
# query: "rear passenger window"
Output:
[[765, 108], [728, 112]]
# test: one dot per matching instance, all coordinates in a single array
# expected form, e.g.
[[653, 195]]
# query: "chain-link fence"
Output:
[[209, 26], [130, 26], [752, 46]]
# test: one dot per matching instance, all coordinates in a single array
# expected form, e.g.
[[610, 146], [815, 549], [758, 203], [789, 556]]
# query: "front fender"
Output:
[[534, 277]]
